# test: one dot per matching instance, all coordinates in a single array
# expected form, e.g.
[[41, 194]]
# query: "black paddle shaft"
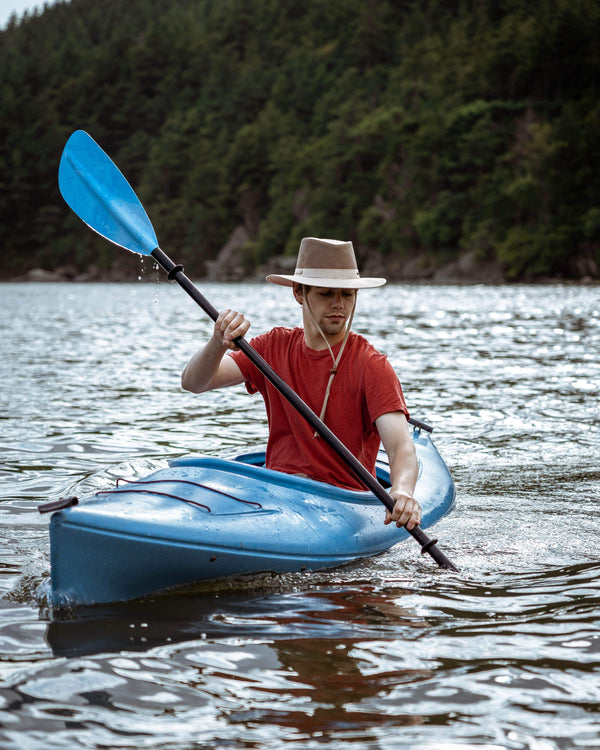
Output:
[[175, 273]]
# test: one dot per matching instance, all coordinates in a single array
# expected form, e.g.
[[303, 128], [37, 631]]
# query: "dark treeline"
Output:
[[420, 129]]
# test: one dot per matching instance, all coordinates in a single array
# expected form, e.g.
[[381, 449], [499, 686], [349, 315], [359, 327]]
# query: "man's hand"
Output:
[[228, 326], [209, 368], [407, 511]]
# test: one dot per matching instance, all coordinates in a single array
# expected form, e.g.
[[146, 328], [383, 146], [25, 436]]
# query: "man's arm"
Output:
[[208, 368], [404, 469]]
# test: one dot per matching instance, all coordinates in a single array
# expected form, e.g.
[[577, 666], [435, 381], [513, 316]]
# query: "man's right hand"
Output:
[[228, 326]]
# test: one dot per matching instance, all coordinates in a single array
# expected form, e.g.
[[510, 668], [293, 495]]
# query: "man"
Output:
[[335, 371]]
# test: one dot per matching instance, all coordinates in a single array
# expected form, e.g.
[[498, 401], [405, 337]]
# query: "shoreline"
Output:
[[231, 265], [48, 277]]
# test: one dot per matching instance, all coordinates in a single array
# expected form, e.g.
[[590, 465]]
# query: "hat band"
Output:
[[328, 273]]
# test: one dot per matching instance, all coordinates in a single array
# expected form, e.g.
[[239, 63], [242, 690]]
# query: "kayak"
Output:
[[203, 518]]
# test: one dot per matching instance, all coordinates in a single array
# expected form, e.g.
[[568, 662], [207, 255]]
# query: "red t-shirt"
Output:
[[364, 388]]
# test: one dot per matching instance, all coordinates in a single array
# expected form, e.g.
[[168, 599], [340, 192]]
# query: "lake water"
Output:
[[389, 653]]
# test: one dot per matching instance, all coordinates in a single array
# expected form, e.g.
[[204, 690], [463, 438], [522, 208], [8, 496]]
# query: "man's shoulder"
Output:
[[369, 357], [277, 336], [284, 331], [359, 344], [280, 333]]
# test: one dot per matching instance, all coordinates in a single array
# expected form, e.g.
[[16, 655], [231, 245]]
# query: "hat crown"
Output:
[[331, 254]]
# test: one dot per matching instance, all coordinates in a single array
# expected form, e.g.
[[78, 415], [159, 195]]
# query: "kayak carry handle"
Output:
[[420, 425], [61, 504]]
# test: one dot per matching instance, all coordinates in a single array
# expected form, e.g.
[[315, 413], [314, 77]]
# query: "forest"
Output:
[[426, 131]]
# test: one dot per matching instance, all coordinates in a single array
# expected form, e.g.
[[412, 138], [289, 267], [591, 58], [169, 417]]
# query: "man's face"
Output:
[[331, 307]]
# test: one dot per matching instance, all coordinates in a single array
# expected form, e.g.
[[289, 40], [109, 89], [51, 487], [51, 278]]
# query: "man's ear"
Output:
[[298, 293]]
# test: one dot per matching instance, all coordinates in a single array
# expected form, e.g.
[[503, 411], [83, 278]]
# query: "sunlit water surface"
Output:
[[388, 653]]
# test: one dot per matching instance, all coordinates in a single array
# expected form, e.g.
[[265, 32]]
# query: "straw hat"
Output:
[[326, 263]]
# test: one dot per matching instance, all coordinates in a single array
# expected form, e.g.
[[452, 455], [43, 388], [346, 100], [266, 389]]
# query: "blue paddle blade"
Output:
[[92, 185]]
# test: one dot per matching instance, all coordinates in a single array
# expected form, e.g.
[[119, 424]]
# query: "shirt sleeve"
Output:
[[253, 377]]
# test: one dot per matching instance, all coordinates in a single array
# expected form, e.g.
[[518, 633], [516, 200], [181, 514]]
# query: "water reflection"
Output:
[[252, 608], [331, 679]]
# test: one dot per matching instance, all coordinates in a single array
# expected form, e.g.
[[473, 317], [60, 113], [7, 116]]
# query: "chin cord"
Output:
[[335, 359]]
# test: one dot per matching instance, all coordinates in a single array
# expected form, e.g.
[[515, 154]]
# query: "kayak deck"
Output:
[[203, 518]]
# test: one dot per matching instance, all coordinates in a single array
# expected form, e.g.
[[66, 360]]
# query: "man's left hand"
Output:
[[407, 511]]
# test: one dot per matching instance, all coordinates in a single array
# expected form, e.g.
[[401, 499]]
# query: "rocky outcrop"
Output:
[[230, 263]]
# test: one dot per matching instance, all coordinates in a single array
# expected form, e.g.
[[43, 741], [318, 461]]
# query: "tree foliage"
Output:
[[427, 127]]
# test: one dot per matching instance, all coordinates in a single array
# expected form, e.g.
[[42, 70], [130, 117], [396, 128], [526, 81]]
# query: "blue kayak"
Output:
[[204, 518]]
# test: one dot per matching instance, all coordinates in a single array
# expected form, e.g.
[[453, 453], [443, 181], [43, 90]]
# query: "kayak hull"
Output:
[[204, 518]]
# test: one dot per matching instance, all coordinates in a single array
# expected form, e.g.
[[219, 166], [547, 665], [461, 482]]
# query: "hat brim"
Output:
[[326, 283]]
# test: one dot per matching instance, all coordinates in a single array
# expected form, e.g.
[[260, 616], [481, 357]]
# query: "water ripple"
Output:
[[386, 653]]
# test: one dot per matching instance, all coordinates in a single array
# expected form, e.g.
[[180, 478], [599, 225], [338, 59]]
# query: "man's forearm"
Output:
[[202, 367], [404, 469]]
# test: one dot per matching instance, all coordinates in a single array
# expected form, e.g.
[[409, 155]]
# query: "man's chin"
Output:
[[333, 329]]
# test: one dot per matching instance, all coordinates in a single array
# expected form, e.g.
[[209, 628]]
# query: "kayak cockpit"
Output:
[[257, 458]]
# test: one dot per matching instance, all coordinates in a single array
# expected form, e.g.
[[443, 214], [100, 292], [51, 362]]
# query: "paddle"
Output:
[[99, 194]]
